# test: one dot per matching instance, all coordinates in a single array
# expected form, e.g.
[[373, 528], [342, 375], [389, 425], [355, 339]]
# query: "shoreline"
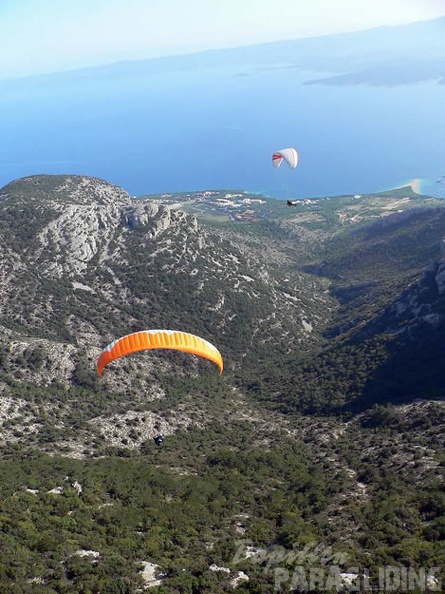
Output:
[[414, 184]]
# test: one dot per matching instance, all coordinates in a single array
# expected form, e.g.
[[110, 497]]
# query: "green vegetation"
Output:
[[326, 427], [138, 508]]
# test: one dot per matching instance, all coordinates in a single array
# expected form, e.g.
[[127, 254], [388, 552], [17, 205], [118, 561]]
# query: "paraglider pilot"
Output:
[[159, 439]]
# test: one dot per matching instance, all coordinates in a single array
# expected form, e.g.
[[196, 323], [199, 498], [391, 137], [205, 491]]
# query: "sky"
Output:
[[42, 36]]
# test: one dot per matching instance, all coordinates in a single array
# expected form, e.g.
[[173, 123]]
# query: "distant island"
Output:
[[403, 71]]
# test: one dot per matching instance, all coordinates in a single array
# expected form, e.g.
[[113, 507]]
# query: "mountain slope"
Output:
[[83, 263], [315, 433], [91, 253]]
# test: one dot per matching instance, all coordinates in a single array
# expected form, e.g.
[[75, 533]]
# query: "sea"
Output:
[[216, 128]]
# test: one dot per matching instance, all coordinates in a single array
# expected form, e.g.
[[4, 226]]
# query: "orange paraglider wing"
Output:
[[159, 339]]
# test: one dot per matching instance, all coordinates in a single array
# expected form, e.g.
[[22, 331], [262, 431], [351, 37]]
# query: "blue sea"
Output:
[[217, 128]]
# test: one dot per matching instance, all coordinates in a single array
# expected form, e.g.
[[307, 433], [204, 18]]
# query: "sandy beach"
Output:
[[414, 184]]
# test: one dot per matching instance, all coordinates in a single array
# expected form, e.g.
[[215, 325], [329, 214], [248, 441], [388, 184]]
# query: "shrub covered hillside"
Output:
[[321, 444]]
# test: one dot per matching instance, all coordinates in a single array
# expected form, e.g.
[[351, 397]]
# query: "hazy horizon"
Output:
[[193, 52], [363, 109], [56, 38]]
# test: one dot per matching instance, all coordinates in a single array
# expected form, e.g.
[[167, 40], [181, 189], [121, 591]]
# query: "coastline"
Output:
[[414, 184]]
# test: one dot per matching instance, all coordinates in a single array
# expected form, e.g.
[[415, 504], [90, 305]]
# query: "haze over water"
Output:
[[217, 128]]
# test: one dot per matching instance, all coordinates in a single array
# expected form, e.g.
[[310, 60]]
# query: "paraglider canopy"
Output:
[[159, 339], [289, 155]]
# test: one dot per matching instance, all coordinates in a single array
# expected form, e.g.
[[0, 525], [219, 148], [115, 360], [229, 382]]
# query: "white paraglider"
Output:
[[289, 155]]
